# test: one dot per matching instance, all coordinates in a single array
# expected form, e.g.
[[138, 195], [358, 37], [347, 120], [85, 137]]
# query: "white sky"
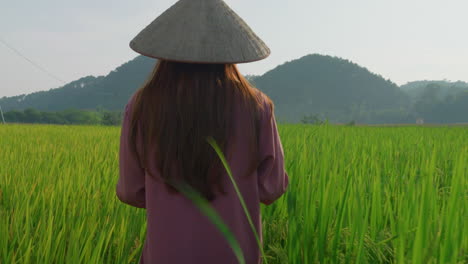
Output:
[[403, 40]]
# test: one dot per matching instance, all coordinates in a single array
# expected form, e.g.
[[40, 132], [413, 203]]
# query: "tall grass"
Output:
[[356, 195]]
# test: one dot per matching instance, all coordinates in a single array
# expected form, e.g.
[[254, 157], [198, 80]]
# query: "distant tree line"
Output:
[[453, 108], [313, 89], [66, 117], [427, 106]]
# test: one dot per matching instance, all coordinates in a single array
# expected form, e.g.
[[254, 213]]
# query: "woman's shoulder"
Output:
[[267, 105], [131, 101]]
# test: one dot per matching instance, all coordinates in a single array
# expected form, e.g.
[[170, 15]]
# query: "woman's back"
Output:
[[177, 231], [197, 92]]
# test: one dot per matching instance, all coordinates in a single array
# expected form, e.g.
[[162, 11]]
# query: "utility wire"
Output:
[[32, 62]]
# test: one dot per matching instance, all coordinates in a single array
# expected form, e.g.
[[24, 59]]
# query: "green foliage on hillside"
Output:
[[451, 109], [90, 93], [442, 88], [336, 88], [66, 117], [314, 87]]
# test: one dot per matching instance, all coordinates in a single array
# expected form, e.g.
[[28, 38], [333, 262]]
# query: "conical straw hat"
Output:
[[200, 31]]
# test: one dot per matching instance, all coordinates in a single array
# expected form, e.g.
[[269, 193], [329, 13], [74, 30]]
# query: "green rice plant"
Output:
[[356, 195]]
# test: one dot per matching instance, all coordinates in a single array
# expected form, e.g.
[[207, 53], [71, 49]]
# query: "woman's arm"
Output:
[[131, 184], [272, 177]]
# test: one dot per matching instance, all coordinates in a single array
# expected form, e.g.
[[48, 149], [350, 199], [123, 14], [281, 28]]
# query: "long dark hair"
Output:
[[181, 105]]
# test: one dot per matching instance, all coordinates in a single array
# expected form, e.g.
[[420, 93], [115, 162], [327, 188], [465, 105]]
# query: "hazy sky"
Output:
[[403, 40]]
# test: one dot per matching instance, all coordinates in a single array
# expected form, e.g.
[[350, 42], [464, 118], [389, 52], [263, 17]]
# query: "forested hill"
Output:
[[329, 86], [89, 93], [439, 89], [313, 85]]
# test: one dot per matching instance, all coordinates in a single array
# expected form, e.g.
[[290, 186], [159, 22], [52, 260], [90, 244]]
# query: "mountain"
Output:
[[439, 101], [328, 86], [440, 89], [331, 87], [110, 92]]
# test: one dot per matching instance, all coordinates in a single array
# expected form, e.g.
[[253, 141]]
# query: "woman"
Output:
[[195, 92]]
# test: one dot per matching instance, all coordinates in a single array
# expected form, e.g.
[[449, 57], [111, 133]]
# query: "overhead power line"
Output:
[[32, 62]]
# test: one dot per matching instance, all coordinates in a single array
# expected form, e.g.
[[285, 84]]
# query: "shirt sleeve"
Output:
[[131, 184], [272, 177]]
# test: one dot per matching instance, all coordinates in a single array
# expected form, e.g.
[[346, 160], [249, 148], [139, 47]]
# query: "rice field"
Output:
[[356, 195]]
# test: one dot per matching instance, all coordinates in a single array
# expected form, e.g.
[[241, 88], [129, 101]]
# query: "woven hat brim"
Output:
[[197, 62], [200, 31]]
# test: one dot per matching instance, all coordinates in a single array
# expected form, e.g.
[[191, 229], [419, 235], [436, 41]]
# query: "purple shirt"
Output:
[[177, 233]]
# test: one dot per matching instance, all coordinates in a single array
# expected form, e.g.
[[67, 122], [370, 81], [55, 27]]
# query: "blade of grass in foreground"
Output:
[[209, 212], [215, 146]]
